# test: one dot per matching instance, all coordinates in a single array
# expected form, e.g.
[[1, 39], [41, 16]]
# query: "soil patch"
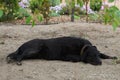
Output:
[[106, 40]]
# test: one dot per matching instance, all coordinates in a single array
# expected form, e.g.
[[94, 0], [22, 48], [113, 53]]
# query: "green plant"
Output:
[[78, 11], [94, 17], [45, 11], [22, 13], [32, 18], [54, 14], [71, 5], [9, 8], [112, 16], [54, 2], [111, 0], [76, 17], [35, 5], [41, 7], [1, 13], [95, 5], [69, 9], [80, 2], [66, 10]]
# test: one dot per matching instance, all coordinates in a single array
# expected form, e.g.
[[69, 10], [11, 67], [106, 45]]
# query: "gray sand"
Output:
[[106, 40]]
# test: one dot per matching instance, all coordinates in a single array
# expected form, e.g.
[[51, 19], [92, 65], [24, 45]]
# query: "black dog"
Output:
[[63, 48]]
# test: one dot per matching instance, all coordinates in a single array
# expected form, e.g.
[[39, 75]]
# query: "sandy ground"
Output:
[[107, 41]]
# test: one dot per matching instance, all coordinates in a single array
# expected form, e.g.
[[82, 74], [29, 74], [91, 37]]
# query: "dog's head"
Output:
[[91, 55]]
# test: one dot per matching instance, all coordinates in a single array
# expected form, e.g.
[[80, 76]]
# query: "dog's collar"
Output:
[[83, 48]]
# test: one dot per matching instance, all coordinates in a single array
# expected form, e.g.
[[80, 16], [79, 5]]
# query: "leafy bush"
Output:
[[9, 8], [94, 17], [45, 11], [41, 7], [54, 14], [76, 17], [1, 13], [22, 13], [95, 5], [66, 10], [24, 3], [54, 2], [35, 5], [78, 11], [56, 8], [109, 14], [112, 15]]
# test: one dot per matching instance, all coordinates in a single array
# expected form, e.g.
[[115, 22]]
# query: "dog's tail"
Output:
[[12, 57]]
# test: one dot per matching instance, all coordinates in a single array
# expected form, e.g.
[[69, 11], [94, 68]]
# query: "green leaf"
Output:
[[67, 1], [76, 17], [106, 18], [61, 1], [22, 10], [33, 23], [40, 18], [94, 16], [117, 14], [111, 0], [115, 25], [54, 14], [73, 4], [1, 13], [112, 9], [80, 2], [28, 19]]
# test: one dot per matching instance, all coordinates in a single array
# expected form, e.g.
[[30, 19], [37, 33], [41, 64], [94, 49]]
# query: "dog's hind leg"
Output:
[[11, 57], [8, 59], [27, 54], [103, 56]]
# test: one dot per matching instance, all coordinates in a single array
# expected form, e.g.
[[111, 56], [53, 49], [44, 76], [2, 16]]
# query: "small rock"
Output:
[[2, 42], [106, 46], [21, 70], [118, 62]]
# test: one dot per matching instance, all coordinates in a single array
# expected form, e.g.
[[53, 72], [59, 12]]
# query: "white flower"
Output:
[[24, 3], [102, 7], [56, 8], [63, 5], [90, 11], [76, 5]]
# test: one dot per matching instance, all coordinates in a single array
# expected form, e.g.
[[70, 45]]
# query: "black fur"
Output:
[[62, 48]]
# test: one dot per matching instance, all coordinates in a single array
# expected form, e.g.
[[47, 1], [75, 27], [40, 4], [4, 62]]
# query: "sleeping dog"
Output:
[[63, 48]]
